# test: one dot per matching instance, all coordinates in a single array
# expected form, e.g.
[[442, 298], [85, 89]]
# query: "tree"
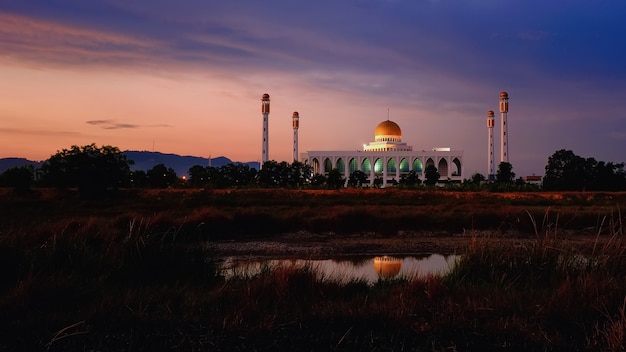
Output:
[[91, 169], [139, 179], [318, 181], [567, 171], [299, 174], [19, 178], [477, 178], [335, 179], [161, 176], [198, 176], [505, 173], [431, 174], [273, 174], [236, 175], [357, 179], [410, 179]]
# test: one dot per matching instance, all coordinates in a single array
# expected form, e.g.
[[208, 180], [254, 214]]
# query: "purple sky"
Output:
[[187, 76]]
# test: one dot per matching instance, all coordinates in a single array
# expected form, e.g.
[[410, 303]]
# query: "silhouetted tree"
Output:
[[505, 173], [20, 178], [335, 179], [477, 178], [431, 174], [299, 174], [93, 170], [357, 179], [318, 181], [567, 171], [410, 179], [237, 175], [161, 176], [273, 174], [138, 179], [198, 176]]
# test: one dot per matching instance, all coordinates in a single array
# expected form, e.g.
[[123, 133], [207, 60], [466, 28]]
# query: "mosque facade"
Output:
[[387, 158]]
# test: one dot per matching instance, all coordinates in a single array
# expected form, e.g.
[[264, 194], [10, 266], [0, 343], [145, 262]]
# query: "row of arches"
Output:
[[391, 166]]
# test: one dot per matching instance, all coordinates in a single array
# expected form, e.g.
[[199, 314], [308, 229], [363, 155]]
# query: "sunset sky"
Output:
[[187, 76]]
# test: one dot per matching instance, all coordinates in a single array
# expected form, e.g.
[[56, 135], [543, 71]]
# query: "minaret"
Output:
[[490, 167], [265, 109], [296, 124], [504, 141]]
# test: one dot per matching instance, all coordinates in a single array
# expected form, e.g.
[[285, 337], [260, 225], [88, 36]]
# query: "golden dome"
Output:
[[387, 267], [388, 128]]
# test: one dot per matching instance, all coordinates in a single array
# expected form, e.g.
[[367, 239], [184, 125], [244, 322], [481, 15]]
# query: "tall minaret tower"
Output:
[[296, 124], [265, 109], [490, 167], [504, 141]]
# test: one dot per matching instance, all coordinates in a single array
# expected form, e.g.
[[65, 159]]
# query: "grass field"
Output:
[[131, 272]]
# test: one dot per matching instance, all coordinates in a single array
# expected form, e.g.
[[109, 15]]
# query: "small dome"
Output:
[[388, 128], [266, 97], [295, 114], [504, 95], [490, 113]]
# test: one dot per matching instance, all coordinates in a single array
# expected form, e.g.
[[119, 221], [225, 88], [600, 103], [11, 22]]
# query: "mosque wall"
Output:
[[390, 165]]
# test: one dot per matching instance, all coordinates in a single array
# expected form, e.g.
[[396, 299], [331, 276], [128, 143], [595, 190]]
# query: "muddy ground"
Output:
[[305, 245]]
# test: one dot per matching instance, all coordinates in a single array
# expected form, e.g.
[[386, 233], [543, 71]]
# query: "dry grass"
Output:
[[130, 273]]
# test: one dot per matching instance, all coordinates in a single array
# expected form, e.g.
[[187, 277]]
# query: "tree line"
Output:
[[96, 170]]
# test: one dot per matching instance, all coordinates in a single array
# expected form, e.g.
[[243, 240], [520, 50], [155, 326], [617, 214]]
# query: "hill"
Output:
[[145, 160], [7, 163]]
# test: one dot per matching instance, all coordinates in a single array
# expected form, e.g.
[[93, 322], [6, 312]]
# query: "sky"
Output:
[[187, 76]]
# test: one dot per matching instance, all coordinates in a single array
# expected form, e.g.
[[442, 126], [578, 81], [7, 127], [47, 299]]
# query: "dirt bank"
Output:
[[313, 246]]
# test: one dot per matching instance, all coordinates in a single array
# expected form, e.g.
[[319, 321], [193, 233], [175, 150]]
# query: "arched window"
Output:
[[316, 165], [366, 166], [417, 166], [391, 165], [378, 166], [443, 168], [328, 165], [404, 165], [457, 163], [341, 165], [353, 165]]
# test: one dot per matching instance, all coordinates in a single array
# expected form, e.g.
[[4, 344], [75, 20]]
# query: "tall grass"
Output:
[[131, 274]]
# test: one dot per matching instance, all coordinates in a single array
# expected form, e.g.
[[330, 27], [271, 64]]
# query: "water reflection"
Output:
[[367, 268]]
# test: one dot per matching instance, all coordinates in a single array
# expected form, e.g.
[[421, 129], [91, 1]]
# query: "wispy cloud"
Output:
[[50, 42], [114, 125]]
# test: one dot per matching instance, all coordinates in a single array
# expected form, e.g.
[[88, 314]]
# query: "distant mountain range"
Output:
[[145, 160]]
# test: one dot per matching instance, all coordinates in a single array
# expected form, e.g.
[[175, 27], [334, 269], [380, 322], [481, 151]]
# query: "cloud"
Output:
[[114, 125]]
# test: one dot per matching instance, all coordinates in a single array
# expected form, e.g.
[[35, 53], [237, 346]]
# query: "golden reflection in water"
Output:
[[387, 267]]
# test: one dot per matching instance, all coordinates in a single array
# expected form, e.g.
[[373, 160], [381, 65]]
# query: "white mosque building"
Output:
[[388, 158]]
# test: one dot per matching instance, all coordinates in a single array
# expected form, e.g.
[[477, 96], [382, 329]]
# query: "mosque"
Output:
[[388, 158]]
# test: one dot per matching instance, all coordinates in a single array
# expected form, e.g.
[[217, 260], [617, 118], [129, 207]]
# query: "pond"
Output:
[[344, 269]]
